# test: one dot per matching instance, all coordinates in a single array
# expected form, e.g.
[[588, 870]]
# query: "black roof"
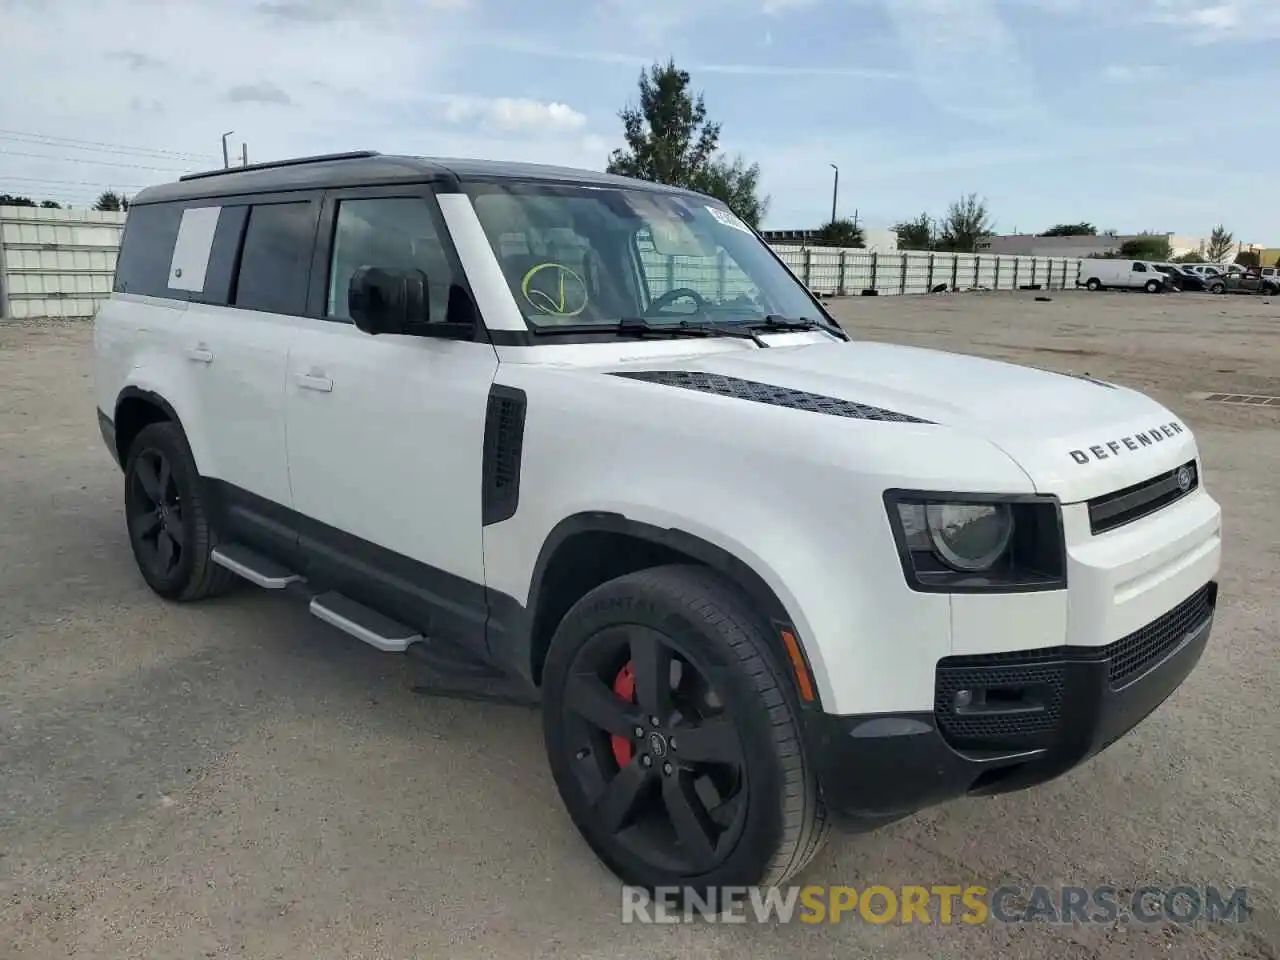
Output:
[[368, 168]]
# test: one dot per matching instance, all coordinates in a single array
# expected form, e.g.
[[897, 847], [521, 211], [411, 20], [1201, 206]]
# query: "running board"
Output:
[[359, 621], [254, 567]]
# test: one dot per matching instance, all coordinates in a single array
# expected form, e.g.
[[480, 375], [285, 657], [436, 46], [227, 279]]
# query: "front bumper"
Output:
[[1053, 709]]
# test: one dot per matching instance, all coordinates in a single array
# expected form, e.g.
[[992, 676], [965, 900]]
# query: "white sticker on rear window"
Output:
[[728, 219]]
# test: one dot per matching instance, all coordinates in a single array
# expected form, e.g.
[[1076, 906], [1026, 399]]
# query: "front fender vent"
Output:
[[767, 393], [503, 446]]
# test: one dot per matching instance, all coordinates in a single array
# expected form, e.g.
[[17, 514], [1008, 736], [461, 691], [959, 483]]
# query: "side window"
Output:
[[717, 278], [146, 250], [1139, 268], [275, 258], [396, 233], [220, 272]]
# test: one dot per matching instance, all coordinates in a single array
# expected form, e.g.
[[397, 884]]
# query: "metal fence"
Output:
[[59, 263], [844, 272], [56, 263]]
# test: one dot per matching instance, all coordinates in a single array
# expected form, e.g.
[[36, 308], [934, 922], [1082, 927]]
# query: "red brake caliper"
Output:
[[624, 685]]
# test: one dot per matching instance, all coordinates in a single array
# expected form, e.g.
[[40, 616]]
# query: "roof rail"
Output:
[[293, 162]]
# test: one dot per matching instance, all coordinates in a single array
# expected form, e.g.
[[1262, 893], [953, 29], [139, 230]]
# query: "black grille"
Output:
[[1034, 682], [1131, 656], [1040, 683], [1142, 499], [767, 393], [503, 446]]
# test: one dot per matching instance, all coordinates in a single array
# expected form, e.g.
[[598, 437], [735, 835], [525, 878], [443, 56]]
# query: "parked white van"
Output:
[[1099, 274]]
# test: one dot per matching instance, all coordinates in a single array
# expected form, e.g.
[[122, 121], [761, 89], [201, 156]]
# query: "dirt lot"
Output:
[[236, 779]]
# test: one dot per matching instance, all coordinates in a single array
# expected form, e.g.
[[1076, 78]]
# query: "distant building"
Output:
[[877, 240], [1032, 245]]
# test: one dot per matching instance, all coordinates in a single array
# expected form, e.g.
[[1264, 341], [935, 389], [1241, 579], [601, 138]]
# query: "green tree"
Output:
[[841, 233], [12, 200], [1220, 244], [670, 140], [51, 204], [915, 234], [737, 184], [1071, 230], [1147, 246], [110, 200], [1193, 256], [1249, 258], [967, 222]]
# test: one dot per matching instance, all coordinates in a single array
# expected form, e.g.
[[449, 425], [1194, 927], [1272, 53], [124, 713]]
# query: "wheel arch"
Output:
[[587, 549], [136, 409]]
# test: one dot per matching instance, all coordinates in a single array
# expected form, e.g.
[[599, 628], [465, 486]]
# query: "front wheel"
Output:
[[1154, 286], [673, 737], [1218, 288]]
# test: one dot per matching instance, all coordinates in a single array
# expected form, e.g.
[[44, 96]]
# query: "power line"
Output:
[[26, 136], [94, 161], [5, 178]]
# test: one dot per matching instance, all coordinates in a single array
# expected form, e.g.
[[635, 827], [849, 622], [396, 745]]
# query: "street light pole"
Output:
[[226, 160], [835, 192]]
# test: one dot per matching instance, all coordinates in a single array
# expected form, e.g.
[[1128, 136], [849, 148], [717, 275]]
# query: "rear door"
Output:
[[242, 315]]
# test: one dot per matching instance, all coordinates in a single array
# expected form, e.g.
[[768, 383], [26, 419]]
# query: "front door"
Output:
[[385, 433]]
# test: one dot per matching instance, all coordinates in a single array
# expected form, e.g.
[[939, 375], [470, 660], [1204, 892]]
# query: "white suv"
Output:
[[594, 432]]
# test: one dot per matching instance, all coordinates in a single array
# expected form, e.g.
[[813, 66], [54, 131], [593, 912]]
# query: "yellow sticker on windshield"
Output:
[[555, 289]]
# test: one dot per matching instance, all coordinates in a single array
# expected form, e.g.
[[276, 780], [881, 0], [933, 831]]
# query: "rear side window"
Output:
[[276, 257], [146, 250]]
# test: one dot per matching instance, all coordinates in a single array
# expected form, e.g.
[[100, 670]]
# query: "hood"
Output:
[[1074, 437]]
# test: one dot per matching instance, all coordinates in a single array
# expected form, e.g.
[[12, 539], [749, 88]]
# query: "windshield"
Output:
[[576, 255]]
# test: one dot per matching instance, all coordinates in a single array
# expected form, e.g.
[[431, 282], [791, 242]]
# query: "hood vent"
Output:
[[769, 393]]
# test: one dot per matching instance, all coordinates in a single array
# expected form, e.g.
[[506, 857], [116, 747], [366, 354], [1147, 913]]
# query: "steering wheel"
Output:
[[679, 293]]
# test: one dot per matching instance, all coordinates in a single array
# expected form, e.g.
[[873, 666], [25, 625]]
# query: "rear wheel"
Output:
[[1094, 284], [169, 530], [673, 737], [1217, 288]]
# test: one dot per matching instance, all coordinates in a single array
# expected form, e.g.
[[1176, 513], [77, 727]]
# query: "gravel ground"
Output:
[[236, 779]]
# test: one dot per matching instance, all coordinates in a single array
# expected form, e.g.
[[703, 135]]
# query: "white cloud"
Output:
[[774, 8], [1210, 21], [1132, 72], [515, 115]]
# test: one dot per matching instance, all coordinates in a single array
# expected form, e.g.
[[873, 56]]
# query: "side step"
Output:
[[254, 567], [363, 624]]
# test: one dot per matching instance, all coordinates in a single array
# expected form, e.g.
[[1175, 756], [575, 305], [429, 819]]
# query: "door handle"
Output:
[[314, 381], [200, 354]]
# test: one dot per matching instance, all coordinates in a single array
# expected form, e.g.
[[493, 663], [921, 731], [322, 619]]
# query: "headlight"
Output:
[[966, 543], [969, 536]]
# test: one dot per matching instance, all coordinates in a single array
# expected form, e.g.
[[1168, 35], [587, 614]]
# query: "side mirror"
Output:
[[398, 301], [387, 301]]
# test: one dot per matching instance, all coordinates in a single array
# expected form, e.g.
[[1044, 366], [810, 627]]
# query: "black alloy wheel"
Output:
[[673, 735], [155, 514], [169, 530], [656, 749]]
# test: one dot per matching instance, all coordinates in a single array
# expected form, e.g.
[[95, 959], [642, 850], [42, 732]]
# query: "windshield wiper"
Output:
[[636, 326], [778, 322]]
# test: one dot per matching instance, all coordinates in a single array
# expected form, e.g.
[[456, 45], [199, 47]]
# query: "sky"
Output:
[[1139, 115]]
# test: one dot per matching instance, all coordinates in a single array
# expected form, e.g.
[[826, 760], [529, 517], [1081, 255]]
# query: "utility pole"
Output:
[[835, 192], [226, 160], [244, 154]]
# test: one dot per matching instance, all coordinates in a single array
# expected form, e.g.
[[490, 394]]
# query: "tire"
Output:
[[163, 502], [764, 833], [1094, 284], [1218, 288], [1154, 286]]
